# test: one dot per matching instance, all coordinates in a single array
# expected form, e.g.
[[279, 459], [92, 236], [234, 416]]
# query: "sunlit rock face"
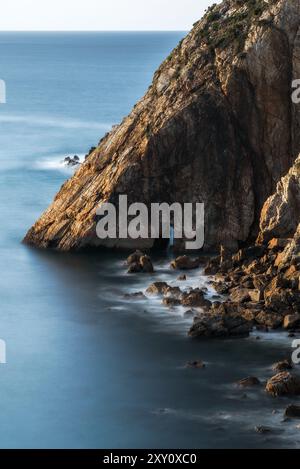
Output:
[[217, 125]]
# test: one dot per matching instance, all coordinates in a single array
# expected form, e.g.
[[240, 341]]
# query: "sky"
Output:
[[99, 15]]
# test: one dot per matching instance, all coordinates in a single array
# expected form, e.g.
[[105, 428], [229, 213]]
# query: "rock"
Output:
[[256, 295], [134, 268], [198, 364], [269, 319], [185, 263], [219, 326], [292, 411], [157, 288], [280, 215], [173, 292], [189, 137], [190, 313], [72, 161], [135, 257], [263, 430], [282, 366], [137, 295], [139, 262], [276, 244], [181, 278], [291, 321], [195, 298], [239, 295], [283, 383], [249, 381], [146, 264], [168, 301]]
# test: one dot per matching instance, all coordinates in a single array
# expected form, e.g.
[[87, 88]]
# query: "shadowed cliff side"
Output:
[[217, 126]]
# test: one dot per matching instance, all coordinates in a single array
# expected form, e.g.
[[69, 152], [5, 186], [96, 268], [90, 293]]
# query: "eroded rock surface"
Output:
[[217, 125]]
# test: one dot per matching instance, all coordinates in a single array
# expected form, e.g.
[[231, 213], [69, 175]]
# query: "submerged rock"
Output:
[[249, 381], [197, 364], [72, 161]]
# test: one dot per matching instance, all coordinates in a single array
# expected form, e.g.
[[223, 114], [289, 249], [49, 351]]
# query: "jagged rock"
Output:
[[157, 288], [276, 244], [185, 263], [210, 325], [269, 319], [249, 381], [190, 139], [72, 161], [195, 298], [239, 295], [283, 384], [291, 321], [134, 268], [256, 295], [280, 215], [292, 411]]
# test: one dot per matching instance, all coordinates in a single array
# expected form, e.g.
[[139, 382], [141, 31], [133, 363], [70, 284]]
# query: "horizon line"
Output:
[[94, 31]]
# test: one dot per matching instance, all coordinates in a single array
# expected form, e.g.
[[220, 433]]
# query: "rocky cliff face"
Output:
[[217, 126]]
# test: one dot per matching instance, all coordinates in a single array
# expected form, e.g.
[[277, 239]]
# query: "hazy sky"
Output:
[[98, 15]]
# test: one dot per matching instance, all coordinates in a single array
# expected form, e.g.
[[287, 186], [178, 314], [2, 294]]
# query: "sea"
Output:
[[86, 367]]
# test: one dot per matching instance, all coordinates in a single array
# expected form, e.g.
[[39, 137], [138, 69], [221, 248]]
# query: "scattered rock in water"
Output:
[[195, 298], [173, 292], [197, 364], [157, 288], [282, 384], [249, 381], [185, 263], [171, 302], [135, 296], [139, 262], [292, 411], [283, 365], [72, 161], [262, 430], [181, 278]]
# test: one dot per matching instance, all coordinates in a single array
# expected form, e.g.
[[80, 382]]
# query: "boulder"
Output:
[[282, 384], [210, 325], [157, 288], [146, 264], [185, 263], [291, 321], [195, 298]]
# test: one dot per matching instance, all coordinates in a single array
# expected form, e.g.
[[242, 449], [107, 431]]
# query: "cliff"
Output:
[[217, 126]]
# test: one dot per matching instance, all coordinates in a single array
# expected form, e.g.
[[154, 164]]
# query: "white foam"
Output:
[[45, 121]]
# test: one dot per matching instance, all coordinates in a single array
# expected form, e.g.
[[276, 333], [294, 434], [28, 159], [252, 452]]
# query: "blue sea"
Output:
[[87, 368]]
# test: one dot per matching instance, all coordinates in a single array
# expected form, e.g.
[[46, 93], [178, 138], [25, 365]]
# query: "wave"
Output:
[[44, 121], [55, 163]]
